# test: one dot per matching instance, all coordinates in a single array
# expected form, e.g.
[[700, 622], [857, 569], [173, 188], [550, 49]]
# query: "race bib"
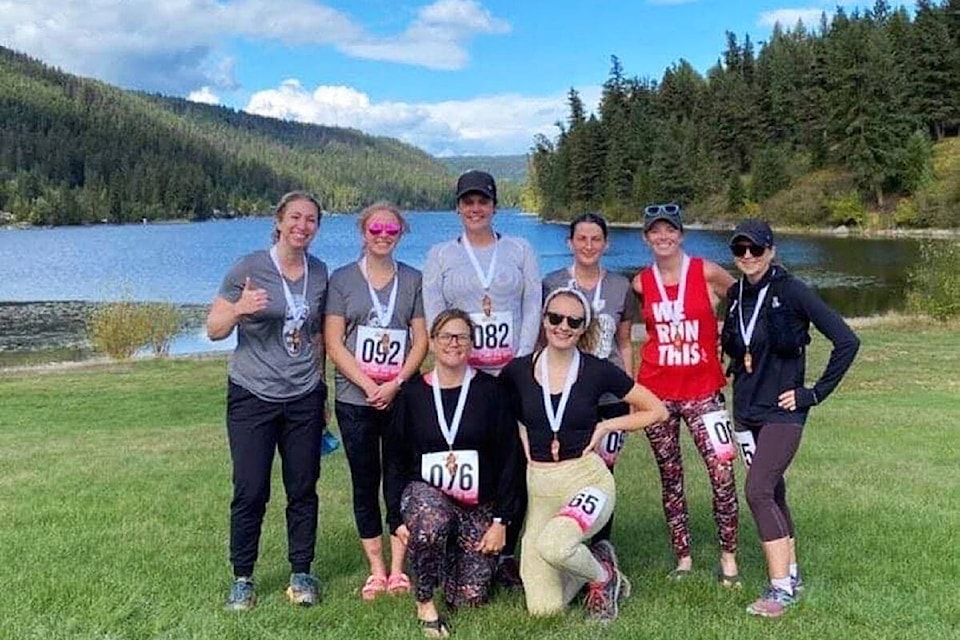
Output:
[[585, 507], [717, 424], [380, 351], [455, 473], [492, 339], [748, 446], [611, 446]]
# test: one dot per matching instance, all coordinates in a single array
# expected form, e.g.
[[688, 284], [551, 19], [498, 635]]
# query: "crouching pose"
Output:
[[554, 394], [453, 474]]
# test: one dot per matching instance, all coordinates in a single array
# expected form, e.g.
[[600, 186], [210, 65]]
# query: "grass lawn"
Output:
[[115, 486]]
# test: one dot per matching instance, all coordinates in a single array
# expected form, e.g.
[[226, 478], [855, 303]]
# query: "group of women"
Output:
[[517, 424]]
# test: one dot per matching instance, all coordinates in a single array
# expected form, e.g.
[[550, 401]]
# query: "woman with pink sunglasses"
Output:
[[376, 336]]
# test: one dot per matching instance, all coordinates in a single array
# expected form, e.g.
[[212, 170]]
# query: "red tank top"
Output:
[[679, 361]]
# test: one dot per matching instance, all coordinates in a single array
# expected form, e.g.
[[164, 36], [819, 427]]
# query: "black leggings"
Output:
[[766, 490], [363, 429]]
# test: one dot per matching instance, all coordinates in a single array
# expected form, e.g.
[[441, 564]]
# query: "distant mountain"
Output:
[[513, 168], [75, 150]]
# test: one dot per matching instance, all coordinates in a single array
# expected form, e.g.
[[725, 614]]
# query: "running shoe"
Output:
[[797, 583], [603, 598], [772, 604], [604, 551], [302, 590], [242, 596]]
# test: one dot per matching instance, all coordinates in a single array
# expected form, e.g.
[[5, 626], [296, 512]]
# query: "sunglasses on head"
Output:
[[740, 250], [389, 228], [659, 209], [556, 318]]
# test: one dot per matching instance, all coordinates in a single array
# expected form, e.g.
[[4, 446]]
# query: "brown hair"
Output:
[[281, 207], [381, 205], [446, 316]]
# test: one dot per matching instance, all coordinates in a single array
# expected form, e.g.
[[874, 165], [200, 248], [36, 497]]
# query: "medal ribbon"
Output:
[[555, 418], [449, 431], [597, 300], [676, 311], [747, 332], [383, 315], [299, 312], [485, 278]]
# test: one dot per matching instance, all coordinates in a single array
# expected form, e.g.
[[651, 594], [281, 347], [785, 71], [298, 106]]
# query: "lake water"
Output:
[[184, 263]]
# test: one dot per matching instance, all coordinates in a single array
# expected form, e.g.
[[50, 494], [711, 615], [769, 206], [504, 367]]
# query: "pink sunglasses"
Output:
[[389, 228]]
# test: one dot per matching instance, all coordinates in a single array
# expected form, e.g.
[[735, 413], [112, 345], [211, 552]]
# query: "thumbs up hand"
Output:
[[252, 299]]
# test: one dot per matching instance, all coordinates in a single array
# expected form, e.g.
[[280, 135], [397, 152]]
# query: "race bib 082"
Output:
[[492, 339]]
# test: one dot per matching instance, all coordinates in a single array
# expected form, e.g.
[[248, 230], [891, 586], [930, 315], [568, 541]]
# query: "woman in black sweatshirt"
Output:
[[765, 333]]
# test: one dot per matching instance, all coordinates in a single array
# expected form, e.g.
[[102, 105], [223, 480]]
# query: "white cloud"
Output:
[[175, 46], [204, 95], [787, 18], [501, 124]]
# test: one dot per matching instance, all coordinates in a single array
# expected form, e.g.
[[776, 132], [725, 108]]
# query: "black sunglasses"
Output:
[[740, 250], [660, 209], [556, 318]]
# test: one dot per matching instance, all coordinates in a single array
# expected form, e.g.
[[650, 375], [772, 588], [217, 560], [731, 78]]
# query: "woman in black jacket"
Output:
[[765, 333]]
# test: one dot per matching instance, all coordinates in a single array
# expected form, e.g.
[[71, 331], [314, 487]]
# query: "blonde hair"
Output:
[[381, 205], [591, 335], [286, 199]]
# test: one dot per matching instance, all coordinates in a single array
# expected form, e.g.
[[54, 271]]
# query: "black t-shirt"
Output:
[[487, 426], [596, 377]]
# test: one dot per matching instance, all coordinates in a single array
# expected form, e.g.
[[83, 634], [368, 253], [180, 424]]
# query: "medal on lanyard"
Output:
[[384, 316], [449, 431], [556, 417], [675, 309], [486, 279], [297, 310], [746, 332], [597, 302]]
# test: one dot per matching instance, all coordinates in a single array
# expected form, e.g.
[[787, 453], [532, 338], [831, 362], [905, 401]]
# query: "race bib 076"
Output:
[[455, 473]]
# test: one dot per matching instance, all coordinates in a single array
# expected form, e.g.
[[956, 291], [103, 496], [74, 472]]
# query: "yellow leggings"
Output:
[[554, 561]]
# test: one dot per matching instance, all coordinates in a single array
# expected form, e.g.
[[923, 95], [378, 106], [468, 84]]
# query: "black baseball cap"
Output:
[[475, 181], [756, 231], [655, 212]]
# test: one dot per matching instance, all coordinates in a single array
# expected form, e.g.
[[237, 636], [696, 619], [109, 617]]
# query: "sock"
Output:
[[783, 584], [794, 571]]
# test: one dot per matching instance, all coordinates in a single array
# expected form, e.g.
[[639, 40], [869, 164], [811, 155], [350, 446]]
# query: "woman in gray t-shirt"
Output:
[[276, 394], [377, 338]]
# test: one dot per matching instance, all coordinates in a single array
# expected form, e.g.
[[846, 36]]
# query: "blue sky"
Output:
[[453, 77]]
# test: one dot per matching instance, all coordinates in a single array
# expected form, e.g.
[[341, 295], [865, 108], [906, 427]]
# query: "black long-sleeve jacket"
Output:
[[778, 347]]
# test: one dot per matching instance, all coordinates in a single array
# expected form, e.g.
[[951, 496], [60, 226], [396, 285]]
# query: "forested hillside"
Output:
[[843, 123], [75, 150]]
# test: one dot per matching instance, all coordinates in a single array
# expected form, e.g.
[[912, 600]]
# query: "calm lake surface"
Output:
[[184, 263]]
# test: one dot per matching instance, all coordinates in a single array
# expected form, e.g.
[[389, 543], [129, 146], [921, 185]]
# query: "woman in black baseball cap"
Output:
[[765, 333]]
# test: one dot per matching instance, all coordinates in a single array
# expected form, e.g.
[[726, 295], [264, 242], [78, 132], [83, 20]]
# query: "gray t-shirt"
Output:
[[450, 280], [349, 298], [275, 358], [618, 303]]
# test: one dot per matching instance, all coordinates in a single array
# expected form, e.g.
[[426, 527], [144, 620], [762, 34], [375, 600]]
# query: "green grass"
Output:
[[115, 485]]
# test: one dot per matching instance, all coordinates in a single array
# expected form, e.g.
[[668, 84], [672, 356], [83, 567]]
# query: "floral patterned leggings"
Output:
[[665, 442], [442, 546]]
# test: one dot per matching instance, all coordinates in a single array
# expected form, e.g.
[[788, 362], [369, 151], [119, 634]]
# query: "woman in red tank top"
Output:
[[679, 362]]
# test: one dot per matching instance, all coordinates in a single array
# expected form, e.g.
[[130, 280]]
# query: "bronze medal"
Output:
[[385, 341], [487, 305], [452, 464], [555, 449], [748, 362]]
